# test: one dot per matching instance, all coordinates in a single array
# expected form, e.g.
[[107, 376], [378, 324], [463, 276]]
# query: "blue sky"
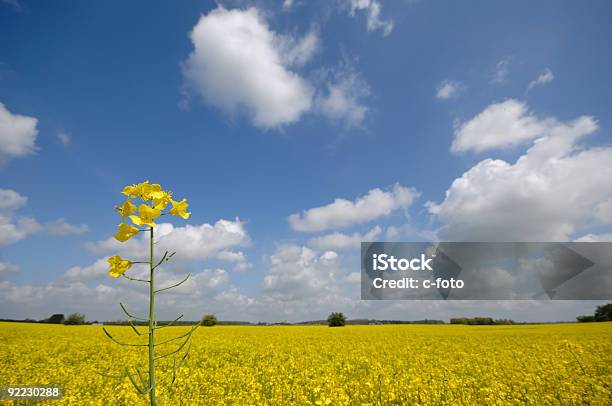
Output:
[[257, 110]]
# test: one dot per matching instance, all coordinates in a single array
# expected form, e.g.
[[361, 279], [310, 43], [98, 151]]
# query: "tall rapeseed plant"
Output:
[[153, 204]]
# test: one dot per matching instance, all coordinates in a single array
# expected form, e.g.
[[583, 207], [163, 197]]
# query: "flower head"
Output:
[[146, 215], [118, 266], [180, 209], [125, 232]]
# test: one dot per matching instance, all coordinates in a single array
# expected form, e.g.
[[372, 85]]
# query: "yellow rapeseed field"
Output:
[[392, 364]]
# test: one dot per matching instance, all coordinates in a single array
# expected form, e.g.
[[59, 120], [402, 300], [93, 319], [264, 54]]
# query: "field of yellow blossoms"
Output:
[[391, 364]]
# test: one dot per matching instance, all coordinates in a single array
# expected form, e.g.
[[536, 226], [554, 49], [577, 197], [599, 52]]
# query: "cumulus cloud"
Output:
[[239, 63], [96, 270], [501, 72], [553, 189], [190, 242], [17, 135], [545, 77], [61, 227], [500, 125], [372, 10], [343, 213], [449, 89], [298, 272], [14, 228], [11, 200], [339, 241]]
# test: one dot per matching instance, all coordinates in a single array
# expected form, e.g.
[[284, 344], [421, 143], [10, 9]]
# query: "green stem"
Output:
[[152, 326]]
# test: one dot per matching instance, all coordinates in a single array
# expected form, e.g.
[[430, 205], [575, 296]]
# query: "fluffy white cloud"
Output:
[[298, 273], [17, 135], [343, 213], [501, 72], [97, 270], [500, 125], [239, 63], [545, 77], [551, 191], [343, 99], [61, 227], [339, 241], [191, 243], [14, 228], [449, 89], [372, 10], [11, 200], [237, 257]]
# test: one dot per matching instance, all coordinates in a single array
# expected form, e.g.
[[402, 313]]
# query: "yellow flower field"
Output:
[[404, 364]]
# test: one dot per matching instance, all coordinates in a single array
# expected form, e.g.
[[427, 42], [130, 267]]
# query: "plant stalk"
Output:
[[152, 325]]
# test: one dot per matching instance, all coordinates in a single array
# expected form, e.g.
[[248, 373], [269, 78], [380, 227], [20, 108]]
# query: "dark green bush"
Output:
[[336, 320]]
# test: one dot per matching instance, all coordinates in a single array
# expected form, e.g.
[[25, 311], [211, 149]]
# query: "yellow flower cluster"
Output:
[[154, 202], [118, 266], [565, 364]]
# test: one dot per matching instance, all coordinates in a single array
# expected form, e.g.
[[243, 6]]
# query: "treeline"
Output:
[[602, 313], [358, 322], [72, 319], [481, 321]]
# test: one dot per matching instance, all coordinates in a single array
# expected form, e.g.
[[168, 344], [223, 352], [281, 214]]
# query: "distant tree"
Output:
[[604, 312], [75, 319], [336, 320], [208, 320], [55, 319]]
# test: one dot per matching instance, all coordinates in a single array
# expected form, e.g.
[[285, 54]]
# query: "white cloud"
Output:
[[17, 135], [545, 77], [239, 63], [298, 273], [449, 89], [236, 257], [372, 10], [503, 124], [98, 270], [61, 227], [343, 99], [343, 213], [11, 200], [338, 241], [14, 228], [548, 194], [191, 243], [63, 137]]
